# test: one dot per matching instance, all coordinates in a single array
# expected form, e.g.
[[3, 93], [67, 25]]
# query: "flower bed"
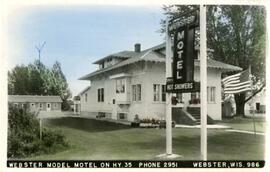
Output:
[[151, 123]]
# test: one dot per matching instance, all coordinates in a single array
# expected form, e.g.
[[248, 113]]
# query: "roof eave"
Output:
[[83, 78], [105, 58]]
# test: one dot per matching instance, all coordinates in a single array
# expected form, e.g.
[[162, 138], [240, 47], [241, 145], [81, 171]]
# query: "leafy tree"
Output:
[[37, 79], [18, 80], [237, 36], [60, 82], [61, 85]]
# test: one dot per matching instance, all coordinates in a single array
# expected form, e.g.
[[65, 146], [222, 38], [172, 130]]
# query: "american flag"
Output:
[[237, 83]]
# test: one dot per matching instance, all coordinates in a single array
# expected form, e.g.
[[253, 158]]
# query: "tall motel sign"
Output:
[[180, 72]]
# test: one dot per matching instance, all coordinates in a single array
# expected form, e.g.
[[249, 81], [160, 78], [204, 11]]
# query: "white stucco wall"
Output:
[[146, 75], [258, 98], [92, 104], [155, 75], [213, 80]]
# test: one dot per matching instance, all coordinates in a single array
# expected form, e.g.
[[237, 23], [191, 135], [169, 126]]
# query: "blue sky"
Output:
[[77, 36]]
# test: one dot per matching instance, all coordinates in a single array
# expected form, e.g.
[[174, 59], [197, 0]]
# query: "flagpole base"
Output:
[[168, 156]]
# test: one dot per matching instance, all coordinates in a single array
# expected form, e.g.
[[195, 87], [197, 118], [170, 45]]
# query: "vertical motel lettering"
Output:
[[180, 49]]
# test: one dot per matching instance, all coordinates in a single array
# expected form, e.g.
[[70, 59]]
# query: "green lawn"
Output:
[[97, 140], [246, 124]]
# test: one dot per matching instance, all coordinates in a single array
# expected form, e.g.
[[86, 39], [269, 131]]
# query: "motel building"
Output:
[[132, 83], [36, 103]]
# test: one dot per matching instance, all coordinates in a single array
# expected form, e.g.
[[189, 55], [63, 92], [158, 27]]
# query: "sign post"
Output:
[[168, 95], [183, 31], [40, 128], [181, 78], [203, 78]]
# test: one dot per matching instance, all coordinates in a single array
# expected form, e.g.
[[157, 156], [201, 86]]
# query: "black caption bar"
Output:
[[134, 164]]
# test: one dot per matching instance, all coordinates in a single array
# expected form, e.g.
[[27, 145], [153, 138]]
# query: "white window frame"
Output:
[[179, 97], [211, 94], [100, 95], [159, 93], [120, 85], [139, 92], [197, 95], [136, 92], [120, 114], [156, 93]]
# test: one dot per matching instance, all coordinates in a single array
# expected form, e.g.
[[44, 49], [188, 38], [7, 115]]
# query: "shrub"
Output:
[[23, 135]]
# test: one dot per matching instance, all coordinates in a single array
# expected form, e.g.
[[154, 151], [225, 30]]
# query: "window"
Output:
[[163, 93], [101, 95], [156, 92], [211, 94], [195, 95], [40, 105], [122, 116], [134, 98], [109, 61], [136, 92], [32, 104], [85, 97], [195, 98], [179, 97], [120, 86], [55, 105], [159, 93], [139, 96]]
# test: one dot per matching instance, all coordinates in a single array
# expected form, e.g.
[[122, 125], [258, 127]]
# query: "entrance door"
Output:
[[48, 107]]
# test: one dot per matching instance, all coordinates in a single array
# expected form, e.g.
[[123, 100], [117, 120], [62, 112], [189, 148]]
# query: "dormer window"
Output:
[[109, 62], [101, 65]]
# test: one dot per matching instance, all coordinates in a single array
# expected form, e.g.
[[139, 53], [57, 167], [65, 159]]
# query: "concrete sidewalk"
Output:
[[246, 132], [215, 126], [226, 128]]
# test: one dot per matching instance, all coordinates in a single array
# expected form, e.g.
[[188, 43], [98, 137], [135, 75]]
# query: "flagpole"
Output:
[[203, 78], [253, 112], [168, 95], [252, 104]]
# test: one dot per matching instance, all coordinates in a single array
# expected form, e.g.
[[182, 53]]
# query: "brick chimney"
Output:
[[137, 48]]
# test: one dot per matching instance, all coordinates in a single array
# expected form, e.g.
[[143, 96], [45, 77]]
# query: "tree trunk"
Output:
[[240, 104]]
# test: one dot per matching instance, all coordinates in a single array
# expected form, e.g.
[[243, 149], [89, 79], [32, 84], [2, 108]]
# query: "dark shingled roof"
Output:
[[34, 99]]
